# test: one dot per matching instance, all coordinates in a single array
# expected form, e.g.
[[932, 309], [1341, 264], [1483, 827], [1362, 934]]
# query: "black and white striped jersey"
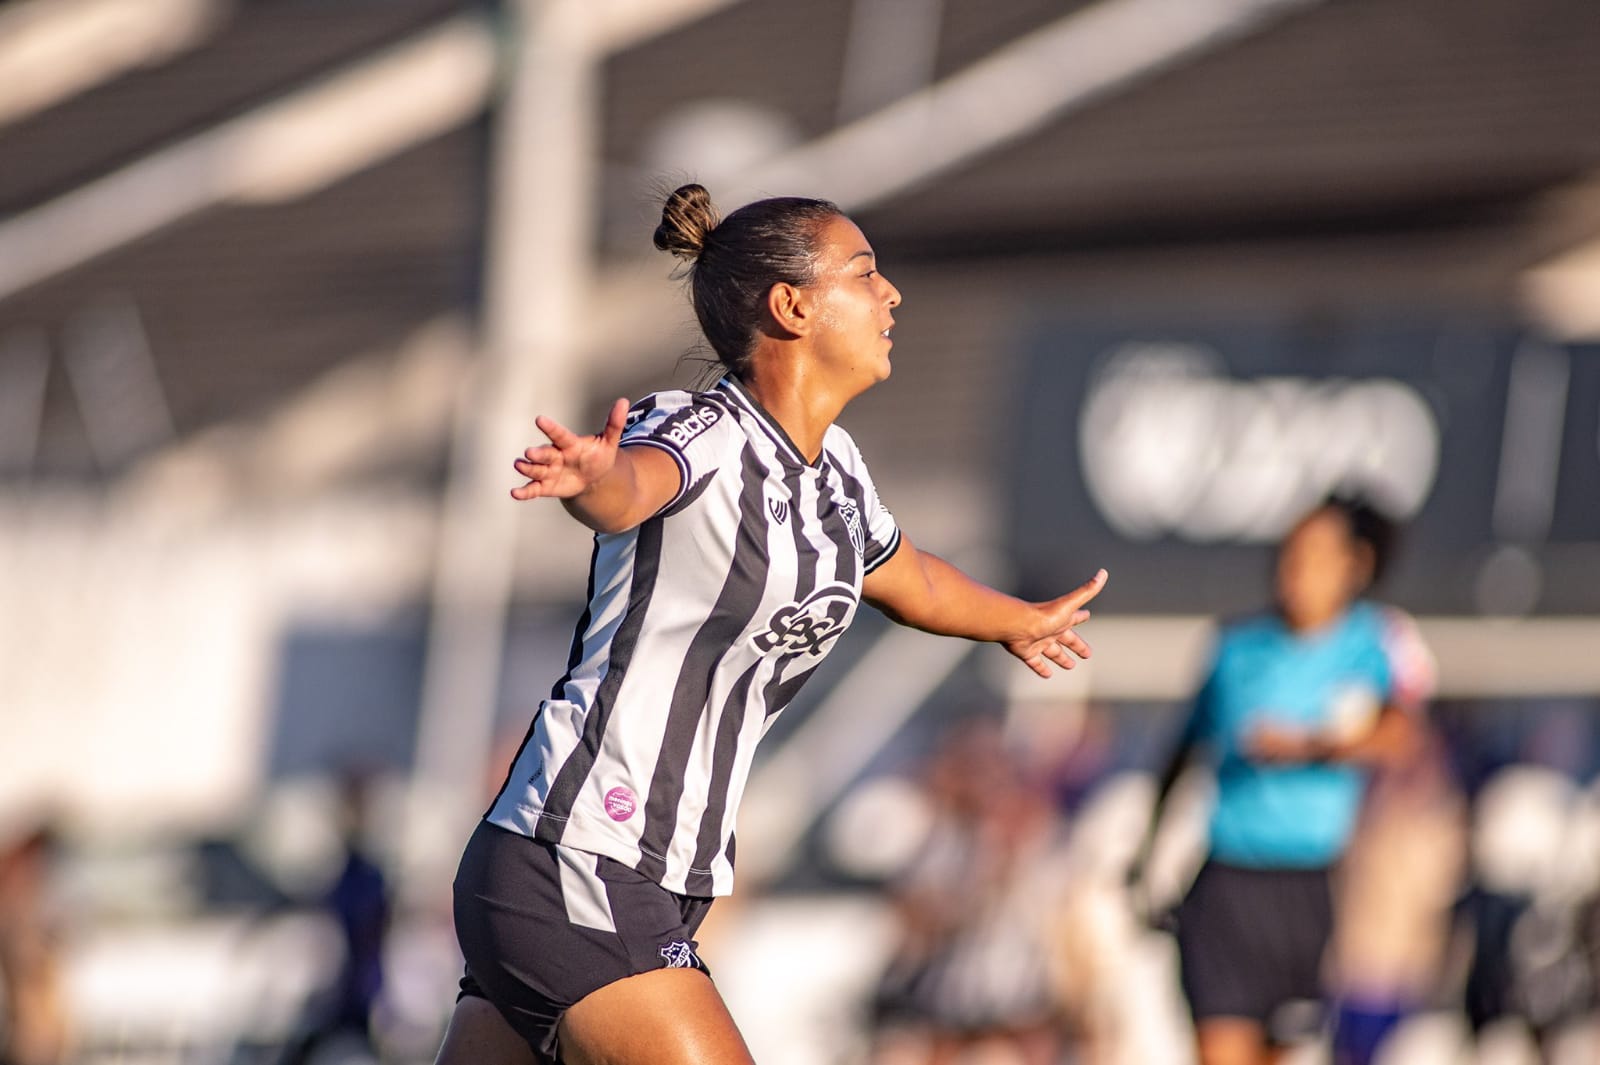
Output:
[[702, 624]]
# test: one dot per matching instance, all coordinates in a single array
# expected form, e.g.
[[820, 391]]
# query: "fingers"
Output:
[[560, 436], [1071, 641], [616, 421], [1085, 591], [542, 465]]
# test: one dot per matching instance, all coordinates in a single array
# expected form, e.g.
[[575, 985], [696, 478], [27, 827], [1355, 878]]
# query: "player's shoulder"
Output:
[[1373, 621], [1243, 630], [679, 417]]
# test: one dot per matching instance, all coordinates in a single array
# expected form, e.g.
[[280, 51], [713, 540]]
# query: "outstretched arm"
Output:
[[607, 487], [928, 593]]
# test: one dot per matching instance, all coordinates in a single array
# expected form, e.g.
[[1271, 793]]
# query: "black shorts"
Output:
[[1250, 942], [541, 926]]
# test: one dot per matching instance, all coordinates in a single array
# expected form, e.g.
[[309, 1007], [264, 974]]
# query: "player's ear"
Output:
[[790, 310]]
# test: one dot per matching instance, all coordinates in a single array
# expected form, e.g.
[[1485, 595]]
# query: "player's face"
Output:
[[1321, 568], [856, 308]]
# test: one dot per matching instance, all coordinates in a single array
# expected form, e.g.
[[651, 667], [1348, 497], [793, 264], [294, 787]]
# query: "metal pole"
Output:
[[539, 252]]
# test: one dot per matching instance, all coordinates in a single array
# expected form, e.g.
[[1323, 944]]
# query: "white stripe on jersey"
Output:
[[701, 625]]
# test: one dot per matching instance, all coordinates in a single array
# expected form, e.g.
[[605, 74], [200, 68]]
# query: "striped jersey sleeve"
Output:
[[692, 428], [880, 532]]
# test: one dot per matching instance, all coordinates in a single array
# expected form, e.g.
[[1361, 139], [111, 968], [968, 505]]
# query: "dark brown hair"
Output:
[[735, 261]]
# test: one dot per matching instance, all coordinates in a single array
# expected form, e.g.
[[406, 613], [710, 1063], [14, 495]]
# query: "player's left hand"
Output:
[[1050, 638], [1270, 744]]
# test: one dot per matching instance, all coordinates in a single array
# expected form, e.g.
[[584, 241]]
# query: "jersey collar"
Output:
[[786, 446]]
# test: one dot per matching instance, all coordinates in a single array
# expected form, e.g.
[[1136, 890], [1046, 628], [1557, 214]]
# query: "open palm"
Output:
[[570, 463], [1050, 638]]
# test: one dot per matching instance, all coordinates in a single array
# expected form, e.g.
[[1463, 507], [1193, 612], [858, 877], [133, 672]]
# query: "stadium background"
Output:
[[282, 283]]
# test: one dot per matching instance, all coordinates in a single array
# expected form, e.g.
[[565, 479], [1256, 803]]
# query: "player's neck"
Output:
[[804, 410]]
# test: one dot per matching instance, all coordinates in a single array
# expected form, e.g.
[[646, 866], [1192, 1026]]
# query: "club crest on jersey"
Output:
[[805, 627], [852, 523], [779, 509]]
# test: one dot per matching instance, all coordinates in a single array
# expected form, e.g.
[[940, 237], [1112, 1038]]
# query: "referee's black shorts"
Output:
[[541, 926], [1251, 941]]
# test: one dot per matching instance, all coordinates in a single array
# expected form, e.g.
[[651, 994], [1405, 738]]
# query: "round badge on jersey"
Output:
[[620, 803]]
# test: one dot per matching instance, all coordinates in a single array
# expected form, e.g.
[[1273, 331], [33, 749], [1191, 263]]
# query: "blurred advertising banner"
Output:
[[1178, 456]]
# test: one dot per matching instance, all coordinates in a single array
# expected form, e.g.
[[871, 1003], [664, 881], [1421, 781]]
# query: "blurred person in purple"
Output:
[[1299, 701], [358, 900], [971, 971]]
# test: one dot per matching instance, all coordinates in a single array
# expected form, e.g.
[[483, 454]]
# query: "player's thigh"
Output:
[[663, 1017], [479, 1035], [1231, 1041]]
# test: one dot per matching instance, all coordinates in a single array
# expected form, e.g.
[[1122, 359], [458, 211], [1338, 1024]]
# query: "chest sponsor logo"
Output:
[[685, 426], [852, 523], [806, 627]]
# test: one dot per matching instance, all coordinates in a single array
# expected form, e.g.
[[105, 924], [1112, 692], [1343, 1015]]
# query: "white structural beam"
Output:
[[1071, 62], [538, 266], [52, 50], [1162, 658], [281, 151], [289, 148]]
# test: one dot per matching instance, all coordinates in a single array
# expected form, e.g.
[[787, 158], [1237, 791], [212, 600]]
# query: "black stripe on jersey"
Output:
[[858, 492], [729, 725], [695, 492], [575, 655], [732, 720], [575, 770], [805, 583], [558, 690], [781, 690], [736, 605]]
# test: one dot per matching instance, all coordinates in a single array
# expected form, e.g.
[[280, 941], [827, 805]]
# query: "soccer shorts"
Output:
[[541, 926], [1250, 943]]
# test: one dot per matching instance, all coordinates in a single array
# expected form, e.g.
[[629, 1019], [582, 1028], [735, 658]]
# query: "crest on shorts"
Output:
[[679, 955]]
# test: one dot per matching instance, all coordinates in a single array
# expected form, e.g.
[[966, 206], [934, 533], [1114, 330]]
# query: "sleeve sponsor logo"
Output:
[[806, 627], [684, 426]]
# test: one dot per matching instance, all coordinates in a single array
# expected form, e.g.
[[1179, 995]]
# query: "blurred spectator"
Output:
[[359, 901], [1397, 884], [1297, 702], [971, 969], [1530, 913], [35, 1030]]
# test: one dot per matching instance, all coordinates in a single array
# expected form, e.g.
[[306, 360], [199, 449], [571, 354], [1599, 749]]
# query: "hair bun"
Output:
[[687, 219]]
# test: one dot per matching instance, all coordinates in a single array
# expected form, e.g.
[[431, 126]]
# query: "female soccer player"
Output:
[[736, 531], [1298, 701]]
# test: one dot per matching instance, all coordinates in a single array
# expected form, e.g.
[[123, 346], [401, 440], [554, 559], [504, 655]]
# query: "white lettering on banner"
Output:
[[1171, 445]]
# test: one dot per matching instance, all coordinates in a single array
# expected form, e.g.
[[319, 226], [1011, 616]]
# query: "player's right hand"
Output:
[[569, 464]]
